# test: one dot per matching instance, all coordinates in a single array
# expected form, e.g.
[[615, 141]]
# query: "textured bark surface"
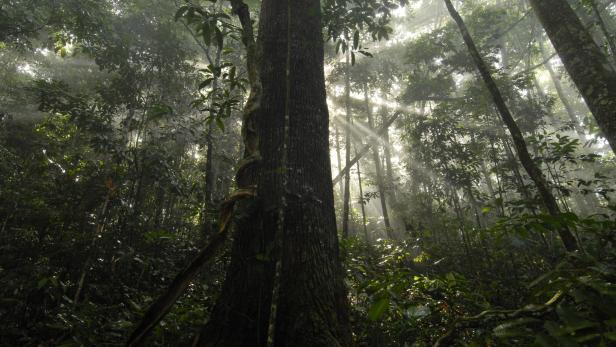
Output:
[[241, 314], [292, 221], [312, 306], [587, 65], [529, 165]]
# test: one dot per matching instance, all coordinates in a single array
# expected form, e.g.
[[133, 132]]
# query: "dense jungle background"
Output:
[[470, 157]]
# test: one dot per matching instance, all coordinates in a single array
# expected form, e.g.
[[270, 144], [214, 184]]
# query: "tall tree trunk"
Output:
[[388, 165], [210, 180], [527, 162], [587, 65], [377, 167], [338, 156], [241, 314], [361, 200], [302, 302], [311, 303], [347, 148]]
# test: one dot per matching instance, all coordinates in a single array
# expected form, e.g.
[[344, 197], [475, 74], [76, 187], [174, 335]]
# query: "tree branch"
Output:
[[159, 309], [366, 148], [467, 322]]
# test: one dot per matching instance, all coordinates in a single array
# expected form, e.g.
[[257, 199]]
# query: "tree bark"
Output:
[[589, 68], [527, 162], [241, 314], [311, 304]]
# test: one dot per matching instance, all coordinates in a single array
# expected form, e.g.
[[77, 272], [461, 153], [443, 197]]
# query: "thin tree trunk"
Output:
[[488, 180], [481, 223], [388, 165], [210, 179], [361, 200], [587, 65], [527, 162], [100, 227], [338, 157], [347, 148], [377, 167], [366, 148], [541, 95], [465, 239]]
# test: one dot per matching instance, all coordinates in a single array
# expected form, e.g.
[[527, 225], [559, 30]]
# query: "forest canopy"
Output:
[[307, 173]]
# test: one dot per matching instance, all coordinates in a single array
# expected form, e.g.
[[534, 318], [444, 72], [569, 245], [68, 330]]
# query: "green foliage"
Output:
[[346, 21], [108, 112], [101, 198], [402, 295]]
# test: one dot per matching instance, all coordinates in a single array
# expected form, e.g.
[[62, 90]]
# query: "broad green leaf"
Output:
[[378, 308]]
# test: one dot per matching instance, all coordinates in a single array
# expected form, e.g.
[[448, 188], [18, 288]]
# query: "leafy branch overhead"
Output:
[[347, 21], [222, 89]]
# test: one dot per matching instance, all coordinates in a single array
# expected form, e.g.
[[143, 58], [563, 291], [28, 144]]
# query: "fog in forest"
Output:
[[307, 173]]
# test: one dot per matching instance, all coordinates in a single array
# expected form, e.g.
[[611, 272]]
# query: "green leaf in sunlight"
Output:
[[378, 308]]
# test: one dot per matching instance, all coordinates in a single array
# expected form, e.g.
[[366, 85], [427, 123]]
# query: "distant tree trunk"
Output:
[[455, 203], [210, 180], [561, 94], [527, 162], [347, 148], [377, 167], [364, 150], [388, 165], [523, 189], [494, 154], [338, 156], [541, 95], [488, 180], [587, 65], [361, 200]]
